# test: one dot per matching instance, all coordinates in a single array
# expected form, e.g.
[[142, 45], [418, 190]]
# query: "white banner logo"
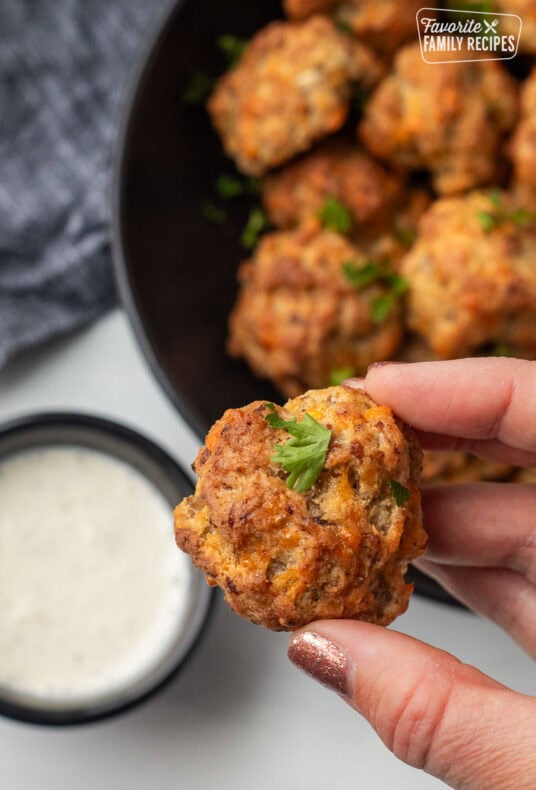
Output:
[[450, 36]]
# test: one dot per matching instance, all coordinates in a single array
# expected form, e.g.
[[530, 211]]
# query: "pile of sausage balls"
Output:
[[405, 229]]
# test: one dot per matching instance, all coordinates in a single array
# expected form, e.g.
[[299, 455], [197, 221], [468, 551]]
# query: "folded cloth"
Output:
[[63, 65]]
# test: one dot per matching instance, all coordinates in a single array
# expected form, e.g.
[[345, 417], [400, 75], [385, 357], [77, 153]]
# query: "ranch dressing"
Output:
[[92, 587]]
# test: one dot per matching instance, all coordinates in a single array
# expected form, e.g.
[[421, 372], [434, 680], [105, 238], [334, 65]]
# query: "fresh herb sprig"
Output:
[[360, 276], [304, 455], [382, 306], [400, 493], [335, 216], [198, 89], [490, 220], [404, 235], [201, 85], [370, 272], [344, 27], [337, 376], [257, 223], [502, 350], [213, 212], [232, 47], [230, 186]]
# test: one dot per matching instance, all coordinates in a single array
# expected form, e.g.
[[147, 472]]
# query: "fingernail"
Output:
[[354, 384], [321, 659], [386, 362]]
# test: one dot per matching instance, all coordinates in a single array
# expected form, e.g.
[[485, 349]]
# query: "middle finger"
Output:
[[482, 524]]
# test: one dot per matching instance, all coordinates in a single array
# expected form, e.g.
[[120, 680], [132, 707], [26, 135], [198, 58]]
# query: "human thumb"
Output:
[[431, 710]]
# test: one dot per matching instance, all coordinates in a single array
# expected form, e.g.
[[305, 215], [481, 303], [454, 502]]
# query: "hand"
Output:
[[434, 712]]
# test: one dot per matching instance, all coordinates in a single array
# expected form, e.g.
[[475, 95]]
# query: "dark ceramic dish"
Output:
[[175, 268], [80, 430]]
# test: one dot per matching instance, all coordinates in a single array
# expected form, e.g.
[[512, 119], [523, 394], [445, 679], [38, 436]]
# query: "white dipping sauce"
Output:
[[92, 587]]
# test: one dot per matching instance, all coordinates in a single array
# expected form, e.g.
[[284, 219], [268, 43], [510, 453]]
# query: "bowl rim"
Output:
[[89, 712]]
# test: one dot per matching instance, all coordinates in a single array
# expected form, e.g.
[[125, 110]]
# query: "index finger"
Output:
[[476, 399]]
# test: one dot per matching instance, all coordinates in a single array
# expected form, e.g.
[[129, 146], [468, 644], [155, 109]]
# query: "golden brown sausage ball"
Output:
[[383, 24], [526, 9], [449, 119], [472, 276], [336, 169], [339, 549], [523, 145], [451, 467], [291, 87], [298, 318], [384, 212]]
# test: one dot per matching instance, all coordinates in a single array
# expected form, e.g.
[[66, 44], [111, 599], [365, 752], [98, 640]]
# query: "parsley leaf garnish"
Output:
[[232, 47], [359, 276], [336, 377], [344, 27], [490, 220], [303, 456], [257, 223], [522, 216], [381, 306], [370, 272], [405, 235], [335, 216], [502, 350], [400, 493], [198, 89], [213, 213], [230, 186], [495, 197]]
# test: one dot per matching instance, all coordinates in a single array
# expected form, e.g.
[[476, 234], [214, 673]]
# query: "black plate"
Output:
[[176, 269]]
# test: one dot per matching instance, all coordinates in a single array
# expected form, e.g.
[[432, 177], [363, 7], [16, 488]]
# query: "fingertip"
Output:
[[473, 398], [354, 383], [383, 363]]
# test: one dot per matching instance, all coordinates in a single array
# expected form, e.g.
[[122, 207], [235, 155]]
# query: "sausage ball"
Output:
[[298, 318], [338, 549], [336, 169], [472, 276], [383, 210], [450, 467], [448, 119], [383, 24], [526, 9], [292, 86], [523, 145]]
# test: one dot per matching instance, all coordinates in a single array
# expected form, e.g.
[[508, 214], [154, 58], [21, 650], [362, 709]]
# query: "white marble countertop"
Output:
[[239, 716]]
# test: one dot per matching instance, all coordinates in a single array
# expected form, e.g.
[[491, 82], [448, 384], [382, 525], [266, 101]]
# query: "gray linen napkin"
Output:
[[63, 66]]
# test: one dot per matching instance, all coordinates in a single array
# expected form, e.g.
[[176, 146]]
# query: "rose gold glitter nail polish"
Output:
[[321, 659]]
